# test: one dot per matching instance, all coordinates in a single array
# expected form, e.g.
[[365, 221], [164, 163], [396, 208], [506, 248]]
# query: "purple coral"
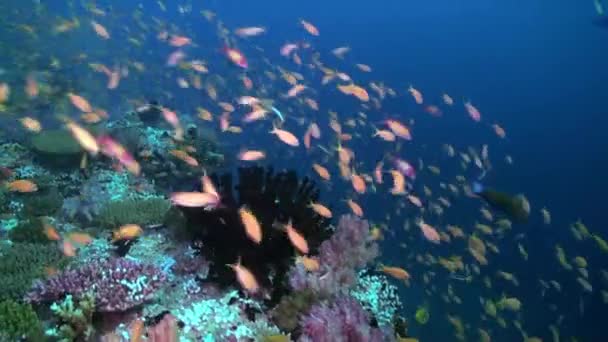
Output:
[[342, 320], [349, 249], [118, 284]]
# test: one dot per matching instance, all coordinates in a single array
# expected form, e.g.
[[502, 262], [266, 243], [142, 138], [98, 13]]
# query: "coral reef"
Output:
[[272, 198], [142, 212], [341, 320], [378, 296], [75, 319], [22, 263], [349, 249], [56, 149], [118, 284], [286, 315], [29, 231], [223, 319], [42, 203], [19, 321]]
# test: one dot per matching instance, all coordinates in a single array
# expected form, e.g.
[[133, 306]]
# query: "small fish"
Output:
[[22, 186], [252, 226], [31, 124], [50, 232], [296, 239], [86, 140], [395, 272], [285, 136], [416, 94], [236, 57], [310, 28], [253, 31], [80, 238], [355, 207], [473, 111], [100, 30], [287, 49], [194, 199], [251, 155], [127, 232], [179, 41], [321, 171], [311, 264], [80, 103], [245, 278], [320, 209]]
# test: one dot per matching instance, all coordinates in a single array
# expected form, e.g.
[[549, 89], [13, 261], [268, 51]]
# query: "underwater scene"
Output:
[[333, 171]]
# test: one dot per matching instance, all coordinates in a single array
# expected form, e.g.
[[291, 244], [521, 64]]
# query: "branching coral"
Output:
[[75, 319], [118, 284], [378, 296]]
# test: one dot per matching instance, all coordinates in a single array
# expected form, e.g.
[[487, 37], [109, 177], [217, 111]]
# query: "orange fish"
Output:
[[86, 140], [80, 238], [68, 249], [90, 118], [31, 124], [127, 232], [429, 232], [296, 239], [227, 107], [23, 186], [245, 277], [321, 171], [204, 114], [417, 95], [500, 132], [194, 199], [185, 157], [100, 30], [399, 129], [251, 155], [244, 32], [285, 136], [80, 103], [378, 172], [385, 135], [320, 209], [395, 272], [5, 92], [247, 83], [137, 330], [179, 41], [415, 200], [398, 183], [310, 264], [295, 90], [310, 28], [209, 187], [252, 226], [355, 207], [50, 232], [358, 183]]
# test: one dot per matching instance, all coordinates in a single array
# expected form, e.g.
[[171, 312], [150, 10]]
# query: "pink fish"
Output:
[[113, 149], [236, 57], [429, 232], [404, 167], [194, 199], [287, 49], [473, 112], [175, 58]]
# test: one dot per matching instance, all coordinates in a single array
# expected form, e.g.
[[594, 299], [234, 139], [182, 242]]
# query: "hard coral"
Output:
[[272, 198], [342, 320], [56, 148], [21, 263], [19, 321], [118, 284]]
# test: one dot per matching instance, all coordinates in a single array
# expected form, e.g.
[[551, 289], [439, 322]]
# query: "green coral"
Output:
[[142, 212], [44, 203], [29, 231], [22, 263], [3, 199], [56, 148], [286, 315], [19, 320], [75, 320]]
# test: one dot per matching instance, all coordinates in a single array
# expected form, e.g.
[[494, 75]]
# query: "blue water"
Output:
[[538, 69]]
